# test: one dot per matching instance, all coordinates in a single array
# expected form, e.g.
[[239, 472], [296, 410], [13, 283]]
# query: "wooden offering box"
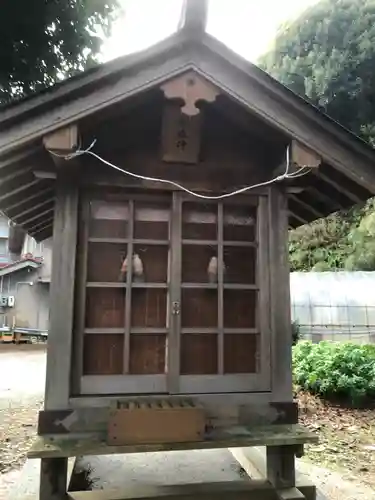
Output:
[[156, 421]]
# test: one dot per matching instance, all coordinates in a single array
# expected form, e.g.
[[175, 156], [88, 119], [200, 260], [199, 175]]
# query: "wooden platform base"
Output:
[[274, 435], [277, 479]]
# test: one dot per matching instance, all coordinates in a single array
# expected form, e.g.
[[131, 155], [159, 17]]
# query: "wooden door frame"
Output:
[[172, 381], [124, 383], [231, 383]]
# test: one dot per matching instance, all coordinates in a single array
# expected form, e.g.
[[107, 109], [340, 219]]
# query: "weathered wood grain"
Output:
[[59, 349], [221, 411], [254, 462], [233, 490], [281, 372], [278, 435], [53, 478]]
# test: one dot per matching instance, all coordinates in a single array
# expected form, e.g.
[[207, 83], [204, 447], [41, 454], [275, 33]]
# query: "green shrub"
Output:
[[333, 369]]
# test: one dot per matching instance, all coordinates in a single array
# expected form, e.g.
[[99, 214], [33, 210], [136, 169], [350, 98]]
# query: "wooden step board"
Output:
[[232, 490], [273, 435]]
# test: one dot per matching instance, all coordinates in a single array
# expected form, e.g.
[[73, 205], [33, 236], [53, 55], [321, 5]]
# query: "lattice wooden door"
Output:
[[175, 296]]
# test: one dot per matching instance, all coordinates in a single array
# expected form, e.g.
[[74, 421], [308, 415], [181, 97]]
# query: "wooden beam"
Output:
[[316, 213], [44, 174], [333, 203], [59, 349], [12, 159], [14, 174], [18, 190], [326, 193], [81, 291], [263, 322], [39, 226], [37, 216], [341, 189], [324, 207], [298, 217], [43, 233], [281, 348], [220, 490], [29, 198], [95, 420], [33, 208]]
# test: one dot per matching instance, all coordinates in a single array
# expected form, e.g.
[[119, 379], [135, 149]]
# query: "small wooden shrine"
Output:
[[169, 180]]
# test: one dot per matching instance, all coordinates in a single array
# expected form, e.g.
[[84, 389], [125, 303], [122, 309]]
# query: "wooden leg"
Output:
[[53, 478], [281, 472]]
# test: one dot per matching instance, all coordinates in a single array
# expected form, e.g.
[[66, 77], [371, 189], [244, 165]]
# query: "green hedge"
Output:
[[333, 369]]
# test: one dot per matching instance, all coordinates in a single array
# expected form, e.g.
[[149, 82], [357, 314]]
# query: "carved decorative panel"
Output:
[[191, 88], [182, 124]]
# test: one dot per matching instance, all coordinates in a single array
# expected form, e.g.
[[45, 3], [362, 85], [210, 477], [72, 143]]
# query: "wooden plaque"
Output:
[[181, 135]]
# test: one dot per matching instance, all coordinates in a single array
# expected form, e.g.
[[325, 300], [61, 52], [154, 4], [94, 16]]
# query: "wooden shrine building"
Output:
[[170, 317]]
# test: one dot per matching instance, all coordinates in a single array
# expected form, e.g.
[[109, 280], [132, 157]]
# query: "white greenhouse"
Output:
[[334, 305]]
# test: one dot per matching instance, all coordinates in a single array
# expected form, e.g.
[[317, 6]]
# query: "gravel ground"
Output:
[[172, 468], [22, 375]]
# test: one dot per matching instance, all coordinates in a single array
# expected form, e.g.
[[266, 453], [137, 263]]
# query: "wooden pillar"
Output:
[[281, 466], [59, 347], [53, 478], [281, 338], [281, 472]]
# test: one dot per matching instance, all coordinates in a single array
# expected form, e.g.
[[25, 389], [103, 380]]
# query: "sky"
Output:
[[246, 26]]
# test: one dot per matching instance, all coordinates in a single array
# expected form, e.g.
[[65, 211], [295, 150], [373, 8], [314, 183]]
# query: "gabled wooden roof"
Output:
[[346, 177]]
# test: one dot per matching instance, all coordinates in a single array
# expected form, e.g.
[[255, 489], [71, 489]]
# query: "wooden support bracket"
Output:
[[299, 156], [59, 144], [62, 141], [302, 156]]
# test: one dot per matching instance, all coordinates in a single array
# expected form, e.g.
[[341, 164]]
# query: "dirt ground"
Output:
[[22, 375], [342, 465], [346, 435]]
